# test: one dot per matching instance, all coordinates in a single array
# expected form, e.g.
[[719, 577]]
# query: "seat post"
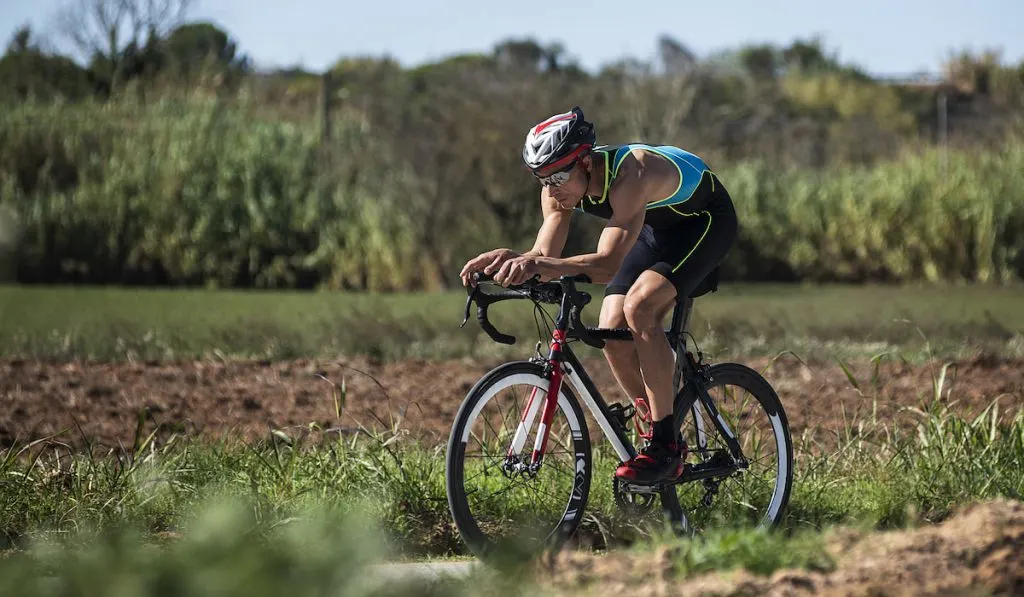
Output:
[[680, 319], [681, 316]]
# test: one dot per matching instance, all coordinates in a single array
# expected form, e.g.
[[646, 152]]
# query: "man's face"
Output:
[[569, 192]]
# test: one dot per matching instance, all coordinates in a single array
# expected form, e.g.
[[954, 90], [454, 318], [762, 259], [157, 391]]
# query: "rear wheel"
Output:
[[755, 494], [493, 496]]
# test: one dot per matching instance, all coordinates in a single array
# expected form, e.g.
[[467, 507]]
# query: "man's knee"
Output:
[[611, 312], [640, 310], [612, 316]]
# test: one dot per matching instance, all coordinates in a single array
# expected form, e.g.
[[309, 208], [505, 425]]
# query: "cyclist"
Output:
[[670, 223]]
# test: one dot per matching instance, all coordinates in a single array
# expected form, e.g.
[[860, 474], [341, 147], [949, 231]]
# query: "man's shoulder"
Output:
[[608, 148]]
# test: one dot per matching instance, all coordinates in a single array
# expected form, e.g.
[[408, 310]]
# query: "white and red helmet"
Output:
[[559, 141]]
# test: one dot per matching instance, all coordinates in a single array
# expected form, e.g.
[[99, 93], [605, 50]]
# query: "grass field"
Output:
[[197, 516], [153, 513], [746, 320]]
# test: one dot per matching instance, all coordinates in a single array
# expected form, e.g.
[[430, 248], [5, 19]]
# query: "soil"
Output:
[[979, 551], [104, 401]]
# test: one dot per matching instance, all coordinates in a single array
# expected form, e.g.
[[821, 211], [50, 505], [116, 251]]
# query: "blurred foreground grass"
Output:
[[226, 553], [740, 320]]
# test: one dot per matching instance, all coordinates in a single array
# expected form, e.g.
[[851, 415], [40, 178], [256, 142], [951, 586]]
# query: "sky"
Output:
[[884, 37]]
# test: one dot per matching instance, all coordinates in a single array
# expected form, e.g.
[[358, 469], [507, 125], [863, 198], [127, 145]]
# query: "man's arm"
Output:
[[628, 209], [616, 240], [551, 237], [553, 231]]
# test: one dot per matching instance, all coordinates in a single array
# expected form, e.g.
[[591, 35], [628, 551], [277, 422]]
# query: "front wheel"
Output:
[[756, 493], [493, 494]]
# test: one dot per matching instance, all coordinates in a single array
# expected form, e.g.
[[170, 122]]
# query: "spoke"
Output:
[[749, 490], [504, 411], [487, 421], [512, 485], [483, 472], [536, 488], [516, 412], [528, 485], [762, 459], [753, 419], [558, 466]]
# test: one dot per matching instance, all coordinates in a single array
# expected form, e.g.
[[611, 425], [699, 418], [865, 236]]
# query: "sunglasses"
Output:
[[556, 179]]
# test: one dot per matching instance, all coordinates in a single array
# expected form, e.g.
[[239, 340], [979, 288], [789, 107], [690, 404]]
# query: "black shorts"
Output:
[[685, 252]]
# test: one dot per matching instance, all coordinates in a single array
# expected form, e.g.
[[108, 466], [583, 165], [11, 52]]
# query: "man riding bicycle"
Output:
[[670, 223]]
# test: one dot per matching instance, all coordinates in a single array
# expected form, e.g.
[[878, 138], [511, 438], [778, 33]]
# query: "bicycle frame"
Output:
[[563, 365]]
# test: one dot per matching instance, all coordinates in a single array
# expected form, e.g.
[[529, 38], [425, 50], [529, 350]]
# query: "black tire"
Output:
[[683, 513], [466, 520]]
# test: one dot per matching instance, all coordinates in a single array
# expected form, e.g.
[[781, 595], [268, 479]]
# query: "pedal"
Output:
[[641, 489], [622, 414]]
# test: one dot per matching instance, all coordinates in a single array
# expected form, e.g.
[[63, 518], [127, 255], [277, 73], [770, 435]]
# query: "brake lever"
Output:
[[469, 303]]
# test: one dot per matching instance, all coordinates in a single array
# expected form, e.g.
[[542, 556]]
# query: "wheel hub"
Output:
[[514, 467]]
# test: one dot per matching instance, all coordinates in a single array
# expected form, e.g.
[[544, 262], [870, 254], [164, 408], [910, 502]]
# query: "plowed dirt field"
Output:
[[102, 401]]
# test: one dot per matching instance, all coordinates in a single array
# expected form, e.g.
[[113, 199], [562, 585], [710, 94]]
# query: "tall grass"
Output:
[[874, 474], [924, 217], [201, 193], [192, 194], [47, 487]]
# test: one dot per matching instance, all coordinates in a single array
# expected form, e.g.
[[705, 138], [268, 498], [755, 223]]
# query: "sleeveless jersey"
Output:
[[696, 184]]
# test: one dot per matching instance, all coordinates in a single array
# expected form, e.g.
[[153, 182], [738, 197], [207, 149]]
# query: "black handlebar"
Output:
[[561, 292]]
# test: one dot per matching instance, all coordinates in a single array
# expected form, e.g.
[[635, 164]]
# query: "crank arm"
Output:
[[698, 472]]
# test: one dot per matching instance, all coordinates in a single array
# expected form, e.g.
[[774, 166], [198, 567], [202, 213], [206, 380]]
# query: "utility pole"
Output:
[[943, 117], [325, 108]]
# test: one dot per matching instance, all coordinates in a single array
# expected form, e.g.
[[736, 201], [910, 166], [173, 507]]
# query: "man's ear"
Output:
[[587, 162]]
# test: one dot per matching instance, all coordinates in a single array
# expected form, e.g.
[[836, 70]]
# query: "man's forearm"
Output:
[[600, 268]]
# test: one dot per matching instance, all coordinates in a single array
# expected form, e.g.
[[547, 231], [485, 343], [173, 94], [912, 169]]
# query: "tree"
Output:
[[113, 33], [675, 57], [196, 46], [761, 61], [21, 41], [810, 57], [529, 56], [28, 72]]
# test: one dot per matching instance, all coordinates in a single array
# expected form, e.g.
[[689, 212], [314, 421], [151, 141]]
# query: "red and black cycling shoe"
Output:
[[656, 463]]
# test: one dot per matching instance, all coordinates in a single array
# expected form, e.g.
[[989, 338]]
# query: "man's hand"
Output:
[[516, 271], [487, 263]]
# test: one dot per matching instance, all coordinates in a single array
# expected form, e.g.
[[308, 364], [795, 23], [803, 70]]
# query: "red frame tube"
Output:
[[551, 399]]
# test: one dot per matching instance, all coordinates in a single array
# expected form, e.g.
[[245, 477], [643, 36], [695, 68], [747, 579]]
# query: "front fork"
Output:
[[513, 461]]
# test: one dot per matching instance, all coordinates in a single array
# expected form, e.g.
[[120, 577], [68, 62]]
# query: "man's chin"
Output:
[[568, 203]]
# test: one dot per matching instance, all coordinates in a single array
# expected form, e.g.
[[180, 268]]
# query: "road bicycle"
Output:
[[519, 461]]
